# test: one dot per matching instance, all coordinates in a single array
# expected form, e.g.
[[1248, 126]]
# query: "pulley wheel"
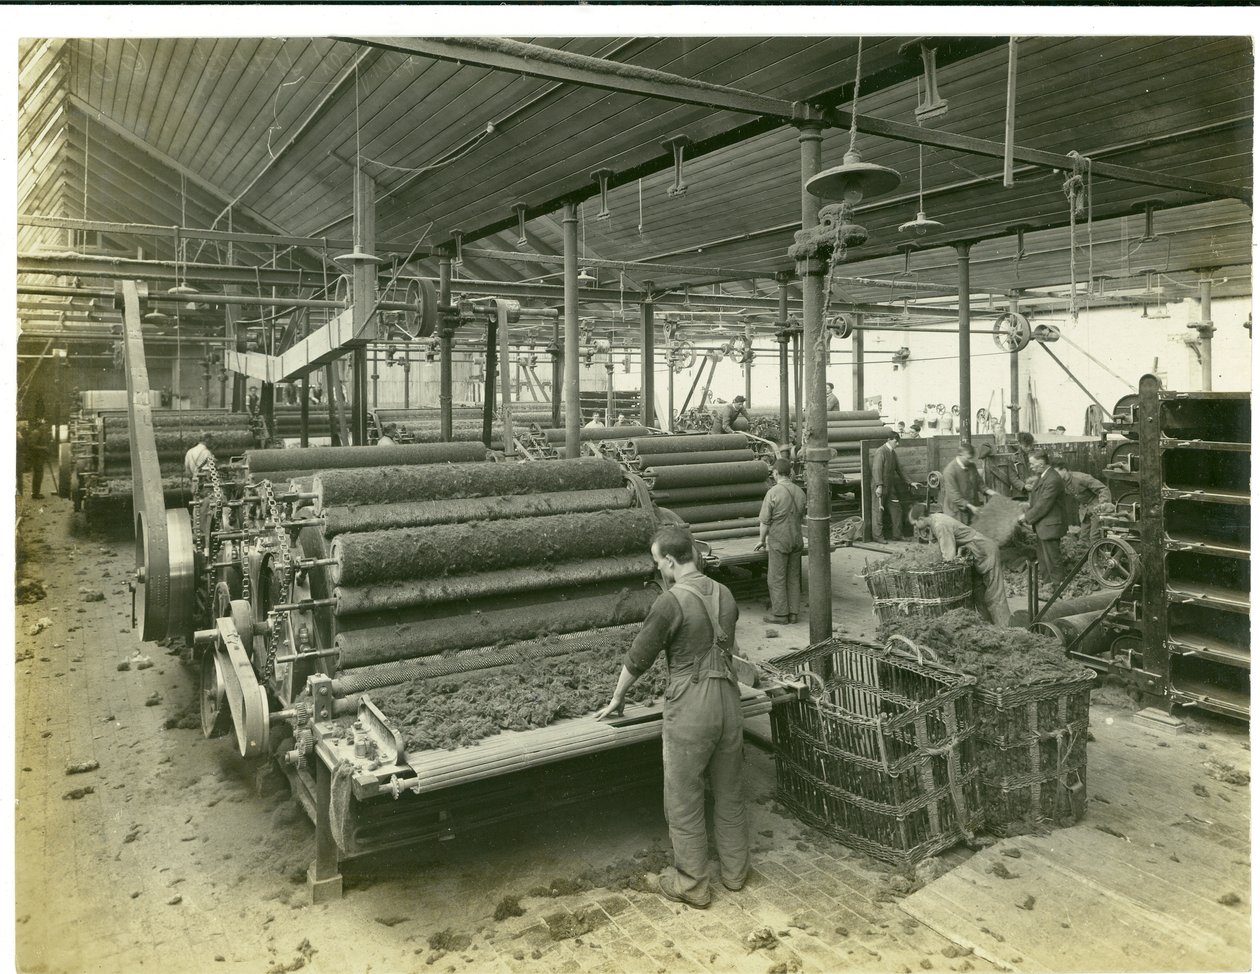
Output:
[[841, 327], [216, 718], [934, 479], [1012, 332], [1125, 409], [163, 594], [1112, 563]]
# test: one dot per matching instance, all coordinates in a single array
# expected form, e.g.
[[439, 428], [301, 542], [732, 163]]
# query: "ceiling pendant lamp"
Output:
[[920, 224]]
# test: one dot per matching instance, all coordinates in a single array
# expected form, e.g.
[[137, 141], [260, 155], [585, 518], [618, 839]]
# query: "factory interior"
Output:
[[401, 421]]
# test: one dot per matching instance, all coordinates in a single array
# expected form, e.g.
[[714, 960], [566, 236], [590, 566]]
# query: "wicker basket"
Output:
[[921, 591], [879, 752], [1032, 751]]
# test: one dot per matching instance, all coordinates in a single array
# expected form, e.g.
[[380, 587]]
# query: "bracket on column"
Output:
[[602, 176], [458, 237], [931, 104], [676, 145]]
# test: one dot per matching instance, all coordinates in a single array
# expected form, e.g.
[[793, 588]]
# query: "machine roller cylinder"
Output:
[[380, 517], [689, 443], [696, 513], [409, 640], [1069, 628], [730, 524], [711, 456], [857, 433], [391, 485], [599, 433], [182, 419], [344, 457], [171, 443], [747, 532], [712, 492], [389, 596], [702, 474], [451, 549], [851, 415]]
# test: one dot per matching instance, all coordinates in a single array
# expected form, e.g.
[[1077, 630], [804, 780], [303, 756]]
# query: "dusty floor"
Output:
[[175, 855]]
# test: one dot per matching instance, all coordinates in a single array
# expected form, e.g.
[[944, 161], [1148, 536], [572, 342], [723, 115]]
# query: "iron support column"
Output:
[[1014, 407], [363, 296], [358, 408], [572, 406], [647, 405], [859, 364], [446, 338], [781, 336], [964, 340], [817, 453], [1205, 327], [304, 407], [557, 375]]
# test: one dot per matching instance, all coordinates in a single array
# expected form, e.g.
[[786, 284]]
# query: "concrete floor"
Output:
[[181, 857]]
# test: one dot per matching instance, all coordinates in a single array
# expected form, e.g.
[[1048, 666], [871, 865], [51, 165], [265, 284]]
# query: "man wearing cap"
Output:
[[1090, 493], [833, 401], [198, 458], [889, 488], [725, 415], [961, 486], [782, 512]]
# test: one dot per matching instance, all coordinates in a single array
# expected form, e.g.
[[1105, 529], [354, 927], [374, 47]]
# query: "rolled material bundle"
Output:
[[689, 443], [410, 593], [696, 513], [1067, 628], [494, 624], [595, 432], [120, 467], [844, 415], [457, 436], [391, 485], [702, 474], [182, 418], [424, 415], [857, 433], [452, 549], [730, 524], [710, 456], [343, 457], [708, 493], [380, 517], [172, 442]]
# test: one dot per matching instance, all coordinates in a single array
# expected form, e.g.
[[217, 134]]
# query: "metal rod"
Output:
[[1008, 155], [304, 604], [446, 339], [572, 395], [647, 330], [817, 452], [781, 324], [1206, 329], [964, 340], [501, 321], [859, 365], [1014, 356], [492, 363], [305, 414]]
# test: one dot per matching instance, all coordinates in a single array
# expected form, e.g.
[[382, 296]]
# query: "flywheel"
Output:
[[1012, 332], [1113, 563]]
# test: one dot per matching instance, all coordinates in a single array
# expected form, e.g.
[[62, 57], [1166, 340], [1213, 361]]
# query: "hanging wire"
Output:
[[640, 206], [857, 83]]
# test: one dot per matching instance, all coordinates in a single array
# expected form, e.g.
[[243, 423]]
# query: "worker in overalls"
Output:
[[1092, 496], [725, 415], [954, 536], [782, 511], [703, 732]]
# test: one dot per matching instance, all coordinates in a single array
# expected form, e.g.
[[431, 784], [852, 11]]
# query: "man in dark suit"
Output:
[[961, 486], [890, 489], [1047, 515]]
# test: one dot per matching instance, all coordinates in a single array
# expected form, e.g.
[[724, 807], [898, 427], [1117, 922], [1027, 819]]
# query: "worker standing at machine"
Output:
[[388, 435], [703, 728], [597, 419], [198, 458], [833, 401], [725, 415], [952, 535], [961, 486], [1046, 515], [37, 442], [890, 489], [1090, 494], [782, 511]]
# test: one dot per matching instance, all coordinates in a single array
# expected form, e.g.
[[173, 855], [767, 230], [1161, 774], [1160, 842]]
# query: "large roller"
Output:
[[451, 549], [380, 517], [588, 433], [708, 493], [647, 460], [383, 485], [342, 457], [181, 418], [702, 474], [172, 443], [842, 434], [689, 443], [694, 513]]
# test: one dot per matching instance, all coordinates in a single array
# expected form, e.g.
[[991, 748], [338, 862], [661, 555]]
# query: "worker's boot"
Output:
[[792, 617], [776, 620]]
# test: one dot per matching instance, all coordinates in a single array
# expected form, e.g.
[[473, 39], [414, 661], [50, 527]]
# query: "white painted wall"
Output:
[[1119, 338]]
